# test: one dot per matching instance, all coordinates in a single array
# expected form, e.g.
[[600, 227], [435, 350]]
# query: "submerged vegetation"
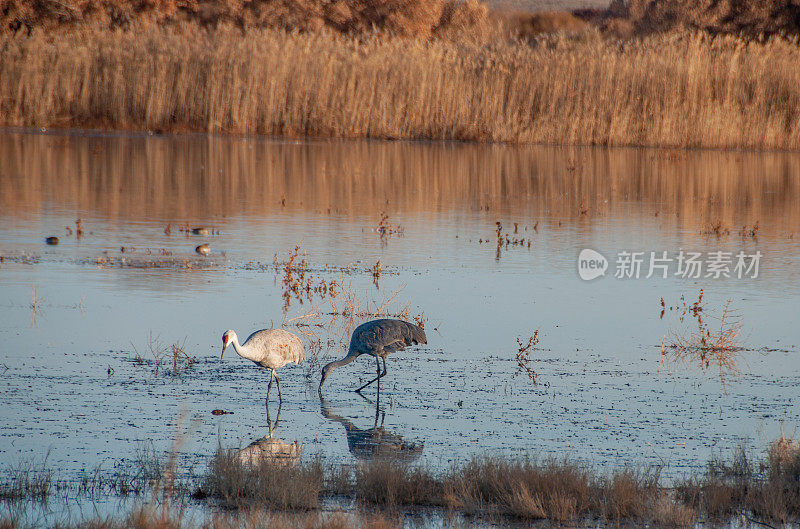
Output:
[[716, 342], [415, 70], [523, 357], [157, 356]]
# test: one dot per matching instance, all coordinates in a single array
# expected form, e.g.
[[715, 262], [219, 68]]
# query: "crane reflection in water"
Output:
[[376, 442], [270, 448]]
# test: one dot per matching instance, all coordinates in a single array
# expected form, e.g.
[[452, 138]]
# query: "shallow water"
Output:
[[73, 393]]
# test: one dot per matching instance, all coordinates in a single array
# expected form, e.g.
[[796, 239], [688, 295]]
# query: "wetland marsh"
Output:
[[479, 242]]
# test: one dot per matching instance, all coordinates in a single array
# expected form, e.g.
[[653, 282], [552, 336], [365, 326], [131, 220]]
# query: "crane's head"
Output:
[[226, 340], [325, 372]]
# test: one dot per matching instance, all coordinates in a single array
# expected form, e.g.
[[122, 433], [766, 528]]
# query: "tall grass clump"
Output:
[[525, 489], [269, 483], [627, 494], [768, 490], [679, 89], [27, 481], [388, 482]]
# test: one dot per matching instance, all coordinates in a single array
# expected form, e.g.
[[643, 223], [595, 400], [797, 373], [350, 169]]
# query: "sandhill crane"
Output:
[[377, 338], [270, 348]]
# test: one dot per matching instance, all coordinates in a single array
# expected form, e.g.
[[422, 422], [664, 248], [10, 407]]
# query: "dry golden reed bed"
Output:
[[273, 492], [465, 82]]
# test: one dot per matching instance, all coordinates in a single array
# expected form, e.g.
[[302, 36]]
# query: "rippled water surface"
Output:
[[76, 315]]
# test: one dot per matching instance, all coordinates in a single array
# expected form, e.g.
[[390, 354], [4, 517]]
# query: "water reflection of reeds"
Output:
[[203, 176]]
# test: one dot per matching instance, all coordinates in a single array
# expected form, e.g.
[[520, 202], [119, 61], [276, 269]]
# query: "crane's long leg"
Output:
[[378, 378], [270, 424], [280, 395], [269, 387]]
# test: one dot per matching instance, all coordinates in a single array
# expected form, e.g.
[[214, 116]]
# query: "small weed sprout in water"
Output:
[[180, 358], [716, 346], [504, 240], [749, 231], [523, 357], [36, 304], [376, 274], [153, 348], [682, 308], [157, 355], [298, 282], [716, 228], [28, 481], [386, 230]]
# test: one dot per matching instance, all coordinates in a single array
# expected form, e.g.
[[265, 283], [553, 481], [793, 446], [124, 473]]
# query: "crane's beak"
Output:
[[223, 351], [321, 382]]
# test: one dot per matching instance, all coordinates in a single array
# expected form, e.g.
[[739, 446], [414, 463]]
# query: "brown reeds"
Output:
[[299, 282], [678, 89], [28, 480], [716, 345], [149, 517], [765, 490], [389, 482], [562, 491], [157, 355], [523, 357], [269, 483]]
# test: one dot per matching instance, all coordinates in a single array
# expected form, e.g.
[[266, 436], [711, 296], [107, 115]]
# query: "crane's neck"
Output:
[[333, 365], [241, 350], [339, 363]]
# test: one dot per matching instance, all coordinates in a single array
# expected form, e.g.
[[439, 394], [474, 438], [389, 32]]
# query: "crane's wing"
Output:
[[389, 335], [399, 345], [296, 353], [278, 341]]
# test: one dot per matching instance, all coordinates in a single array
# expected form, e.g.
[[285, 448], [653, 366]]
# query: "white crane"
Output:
[[269, 348]]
